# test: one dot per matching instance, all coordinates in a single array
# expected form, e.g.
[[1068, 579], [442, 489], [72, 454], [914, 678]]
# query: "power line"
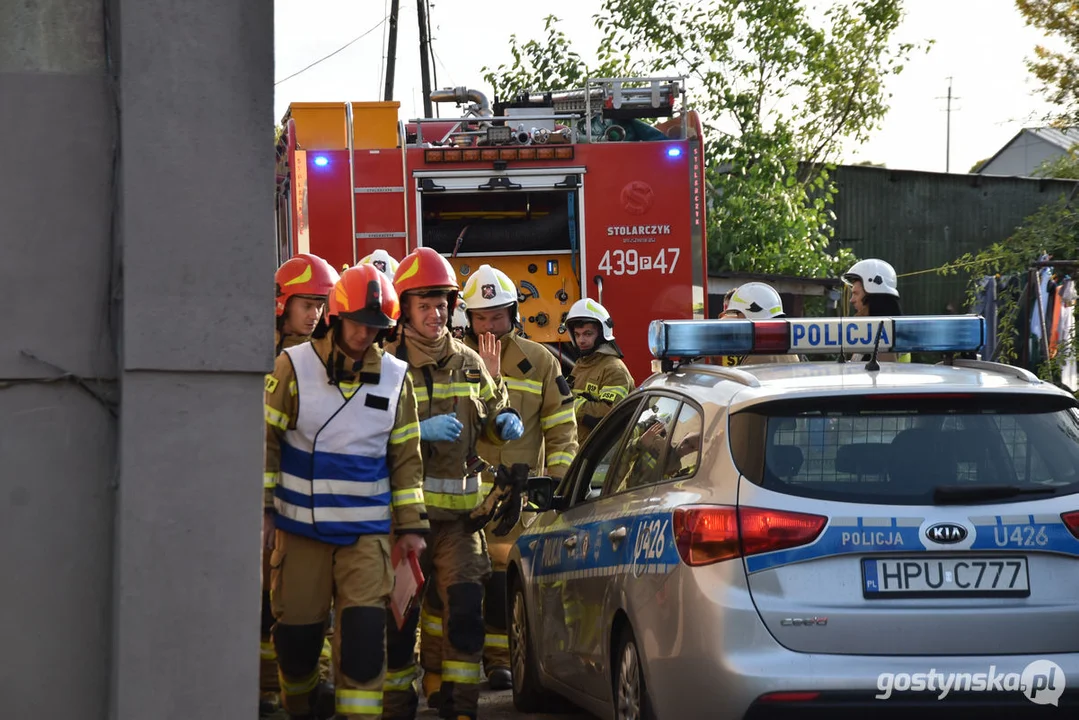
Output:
[[327, 57]]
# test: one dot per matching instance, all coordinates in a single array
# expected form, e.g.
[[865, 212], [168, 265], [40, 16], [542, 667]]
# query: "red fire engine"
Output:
[[571, 193]]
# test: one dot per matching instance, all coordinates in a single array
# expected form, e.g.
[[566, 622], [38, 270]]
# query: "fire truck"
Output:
[[588, 192]]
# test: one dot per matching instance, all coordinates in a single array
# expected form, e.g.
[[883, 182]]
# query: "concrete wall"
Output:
[[139, 328]]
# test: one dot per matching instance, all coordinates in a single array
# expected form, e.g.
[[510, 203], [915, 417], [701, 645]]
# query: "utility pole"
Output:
[[431, 47], [948, 128], [391, 49], [425, 63]]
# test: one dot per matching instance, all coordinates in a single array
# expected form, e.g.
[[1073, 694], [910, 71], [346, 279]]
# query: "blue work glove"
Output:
[[441, 428], [509, 426]]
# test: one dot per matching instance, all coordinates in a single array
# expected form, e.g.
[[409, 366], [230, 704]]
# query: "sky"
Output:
[[981, 44]]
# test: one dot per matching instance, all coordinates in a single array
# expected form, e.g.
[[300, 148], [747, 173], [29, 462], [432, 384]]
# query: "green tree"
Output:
[[781, 88], [1057, 71], [977, 166]]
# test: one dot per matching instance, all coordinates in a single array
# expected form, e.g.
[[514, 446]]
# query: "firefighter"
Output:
[[460, 403], [303, 282], [459, 320], [382, 260], [302, 286], [544, 400], [874, 292], [600, 378], [343, 436], [755, 301]]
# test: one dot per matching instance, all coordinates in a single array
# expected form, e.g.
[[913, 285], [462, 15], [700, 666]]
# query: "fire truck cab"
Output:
[[590, 192]]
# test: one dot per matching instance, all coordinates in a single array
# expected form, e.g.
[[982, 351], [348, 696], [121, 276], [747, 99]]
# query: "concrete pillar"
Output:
[[139, 328]]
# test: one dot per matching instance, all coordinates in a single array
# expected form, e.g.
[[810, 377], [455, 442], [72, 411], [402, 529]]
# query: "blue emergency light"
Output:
[[322, 160], [815, 336], [674, 152]]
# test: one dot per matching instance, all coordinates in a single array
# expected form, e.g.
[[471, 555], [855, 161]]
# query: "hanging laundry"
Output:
[[985, 304], [1069, 374], [1037, 315]]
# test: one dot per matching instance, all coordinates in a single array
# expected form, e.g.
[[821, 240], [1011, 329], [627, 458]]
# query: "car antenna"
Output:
[[873, 365]]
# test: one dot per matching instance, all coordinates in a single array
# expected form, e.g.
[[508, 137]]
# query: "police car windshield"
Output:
[[911, 449]]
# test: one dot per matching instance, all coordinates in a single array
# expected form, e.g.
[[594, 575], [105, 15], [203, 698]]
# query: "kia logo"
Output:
[[946, 533]]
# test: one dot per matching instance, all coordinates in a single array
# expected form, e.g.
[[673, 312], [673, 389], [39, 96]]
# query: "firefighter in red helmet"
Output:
[[459, 403], [303, 282], [343, 436], [302, 286]]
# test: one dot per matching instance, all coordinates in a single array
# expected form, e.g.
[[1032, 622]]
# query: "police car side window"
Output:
[[684, 454], [647, 445], [602, 454]]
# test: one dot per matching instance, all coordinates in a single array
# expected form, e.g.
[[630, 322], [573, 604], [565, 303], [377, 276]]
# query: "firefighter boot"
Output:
[[500, 678], [324, 701], [431, 684]]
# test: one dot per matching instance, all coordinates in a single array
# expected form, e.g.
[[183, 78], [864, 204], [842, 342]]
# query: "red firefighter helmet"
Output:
[[365, 295], [305, 274], [424, 268]]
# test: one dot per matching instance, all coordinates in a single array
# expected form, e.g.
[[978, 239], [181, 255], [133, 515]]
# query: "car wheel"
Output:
[[631, 701], [529, 695]]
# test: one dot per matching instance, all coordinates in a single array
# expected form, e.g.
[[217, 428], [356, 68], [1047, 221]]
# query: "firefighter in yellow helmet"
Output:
[[303, 284], [544, 400], [600, 378], [343, 436], [460, 404], [755, 301]]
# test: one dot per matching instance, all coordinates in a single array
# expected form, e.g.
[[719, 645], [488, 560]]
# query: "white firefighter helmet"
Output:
[[756, 301], [459, 320], [381, 260], [877, 276], [585, 310], [489, 288]]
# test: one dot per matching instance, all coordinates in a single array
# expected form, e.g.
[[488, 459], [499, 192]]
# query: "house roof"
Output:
[[1063, 138]]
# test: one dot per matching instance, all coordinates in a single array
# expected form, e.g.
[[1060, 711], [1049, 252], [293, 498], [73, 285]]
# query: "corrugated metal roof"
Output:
[[1063, 138]]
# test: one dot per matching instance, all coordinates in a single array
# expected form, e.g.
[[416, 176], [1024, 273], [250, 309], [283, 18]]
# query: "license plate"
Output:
[[945, 576]]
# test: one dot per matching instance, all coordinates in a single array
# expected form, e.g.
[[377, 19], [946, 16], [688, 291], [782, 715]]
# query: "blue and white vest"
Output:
[[335, 482]]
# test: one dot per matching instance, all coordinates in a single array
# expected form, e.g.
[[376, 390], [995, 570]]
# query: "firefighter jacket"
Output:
[[283, 341], [599, 380], [449, 377], [342, 444], [544, 400]]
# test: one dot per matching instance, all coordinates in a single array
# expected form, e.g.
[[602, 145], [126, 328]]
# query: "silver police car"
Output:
[[781, 538]]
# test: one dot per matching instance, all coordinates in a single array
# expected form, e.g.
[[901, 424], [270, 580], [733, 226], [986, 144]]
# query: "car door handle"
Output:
[[570, 542], [617, 535]]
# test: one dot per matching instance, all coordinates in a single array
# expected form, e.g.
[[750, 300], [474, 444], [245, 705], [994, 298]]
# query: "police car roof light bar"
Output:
[[668, 339]]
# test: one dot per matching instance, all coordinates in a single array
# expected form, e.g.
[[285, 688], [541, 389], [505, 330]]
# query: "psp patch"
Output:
[[473, 375], [271, 384]]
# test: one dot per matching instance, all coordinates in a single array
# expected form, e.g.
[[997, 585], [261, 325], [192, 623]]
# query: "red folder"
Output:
[[408, 584]]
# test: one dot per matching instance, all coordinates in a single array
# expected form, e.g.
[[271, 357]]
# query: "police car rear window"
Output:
[[912, 449]]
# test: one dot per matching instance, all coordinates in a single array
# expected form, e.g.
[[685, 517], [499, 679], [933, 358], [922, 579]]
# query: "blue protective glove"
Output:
[[509, 426], [441, 428]]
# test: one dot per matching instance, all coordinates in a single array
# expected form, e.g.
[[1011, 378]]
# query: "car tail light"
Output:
[[706, 534], [1071, 519], [769, 530], [789, 697]]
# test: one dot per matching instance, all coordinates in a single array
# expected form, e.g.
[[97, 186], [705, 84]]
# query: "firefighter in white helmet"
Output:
[[544, 400], [382, 260], [754, 301], [600, 378], [874, 292], [459, 320]]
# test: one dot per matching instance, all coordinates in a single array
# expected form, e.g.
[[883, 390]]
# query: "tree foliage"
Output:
[[1058, 71], [781, 87]]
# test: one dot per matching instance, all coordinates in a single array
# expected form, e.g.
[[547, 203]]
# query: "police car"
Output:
[[737, 542]]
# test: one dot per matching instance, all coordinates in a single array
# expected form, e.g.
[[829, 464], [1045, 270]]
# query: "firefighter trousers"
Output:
[[269, 684], [307, 576], [456, 565], [496, 653]]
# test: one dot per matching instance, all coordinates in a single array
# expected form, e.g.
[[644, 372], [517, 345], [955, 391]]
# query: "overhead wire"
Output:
[[327, 57]]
